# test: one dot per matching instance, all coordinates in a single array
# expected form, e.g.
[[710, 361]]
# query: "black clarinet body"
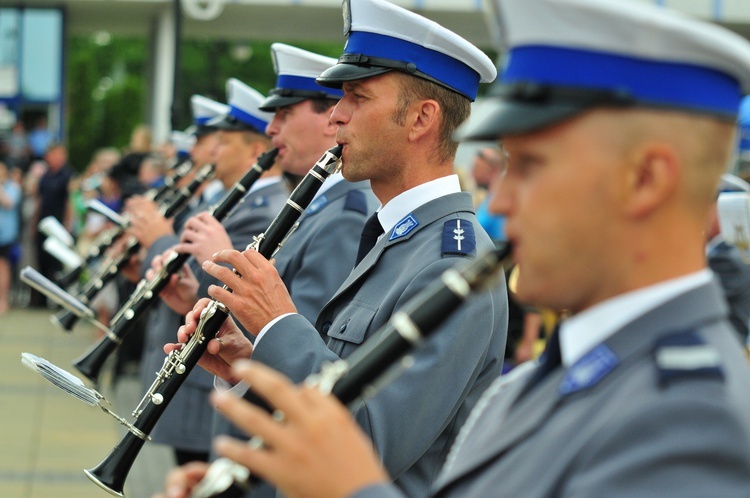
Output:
[[147, 291], [111, 473], [181, 167], [112, 266], [364, 371]]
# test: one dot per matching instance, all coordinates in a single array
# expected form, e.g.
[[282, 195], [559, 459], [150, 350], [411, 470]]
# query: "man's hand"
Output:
[[258, 296], [181, 292], [316, 435], [203, 236], [181, 480], [146, 222], [229, 345]]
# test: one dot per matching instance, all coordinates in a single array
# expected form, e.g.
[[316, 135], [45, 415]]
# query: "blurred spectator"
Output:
[[52, 200], [140, 139], [10, 202], [125, 174], [488, 164], [151, 173], [40, 139], [88, 188], [17, 153]]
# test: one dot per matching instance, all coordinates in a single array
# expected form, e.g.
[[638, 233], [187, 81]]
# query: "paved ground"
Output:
[[48, 437]]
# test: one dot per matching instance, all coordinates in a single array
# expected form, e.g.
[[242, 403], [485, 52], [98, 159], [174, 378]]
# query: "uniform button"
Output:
[[343, 327], [326, 327]]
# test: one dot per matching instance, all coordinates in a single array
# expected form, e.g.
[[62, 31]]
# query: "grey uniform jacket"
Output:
[[186, 423], [414, 419], [320, 254], [663, 410], [734, 274]]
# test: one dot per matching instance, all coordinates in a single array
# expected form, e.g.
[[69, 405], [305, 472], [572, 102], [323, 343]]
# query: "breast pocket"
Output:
[[351, 327]]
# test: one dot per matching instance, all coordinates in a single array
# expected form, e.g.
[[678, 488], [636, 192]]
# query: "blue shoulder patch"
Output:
[[686, 355], [356, 201], [316, 205], [589, 370], [403, 227], [260, 201], [458, 238]]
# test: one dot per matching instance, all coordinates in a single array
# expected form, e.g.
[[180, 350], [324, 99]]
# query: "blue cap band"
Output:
[[245, 117], [290, 82], [202, 121], [647, 81], [443, 68]]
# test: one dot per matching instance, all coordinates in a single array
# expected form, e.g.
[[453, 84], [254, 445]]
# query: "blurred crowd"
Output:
[[37, 181]]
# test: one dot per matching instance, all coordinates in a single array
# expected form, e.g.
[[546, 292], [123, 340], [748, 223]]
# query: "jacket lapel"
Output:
[[425, 215]]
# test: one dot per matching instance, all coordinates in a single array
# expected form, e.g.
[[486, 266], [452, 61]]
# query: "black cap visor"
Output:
[[336, 76], [201, 130], [502, 117], [524, 107], [284, 97], [274, 102], [230, 123]]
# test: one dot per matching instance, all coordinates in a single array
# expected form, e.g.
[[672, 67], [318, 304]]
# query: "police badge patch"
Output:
[[261, 201], [316, 205], [458, 238], [403, 227]]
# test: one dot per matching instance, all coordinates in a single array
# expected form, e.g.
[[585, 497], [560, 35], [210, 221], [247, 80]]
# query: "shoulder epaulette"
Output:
[[458, 238], [356, 201], [686, 355]]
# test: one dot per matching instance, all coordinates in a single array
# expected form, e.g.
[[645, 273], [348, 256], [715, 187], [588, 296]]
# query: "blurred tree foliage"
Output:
[[108, 78]]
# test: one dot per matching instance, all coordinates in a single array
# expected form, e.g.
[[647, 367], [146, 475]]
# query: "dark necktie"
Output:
[[550, 360], [370, 233]]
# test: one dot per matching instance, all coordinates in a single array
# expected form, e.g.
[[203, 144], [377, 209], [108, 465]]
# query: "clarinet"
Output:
[[371, 366], [108, 236], [112, 266], [180, 166], [147, 292], [111, 473]]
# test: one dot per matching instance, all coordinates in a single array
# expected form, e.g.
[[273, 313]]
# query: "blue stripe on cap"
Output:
[[301, 83], [202, 121], [444, 68], [648, 81], [246, 117]]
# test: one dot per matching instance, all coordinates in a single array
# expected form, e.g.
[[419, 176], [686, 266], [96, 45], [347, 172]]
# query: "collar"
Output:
[[584, 331], [264, 182], [329, 183], [213, 190], [408, 201]]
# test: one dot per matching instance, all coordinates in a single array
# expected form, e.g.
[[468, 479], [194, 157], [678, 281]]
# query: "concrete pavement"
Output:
[[47, 437]]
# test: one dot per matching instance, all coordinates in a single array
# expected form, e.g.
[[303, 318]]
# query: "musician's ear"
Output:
[[422, 118]]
